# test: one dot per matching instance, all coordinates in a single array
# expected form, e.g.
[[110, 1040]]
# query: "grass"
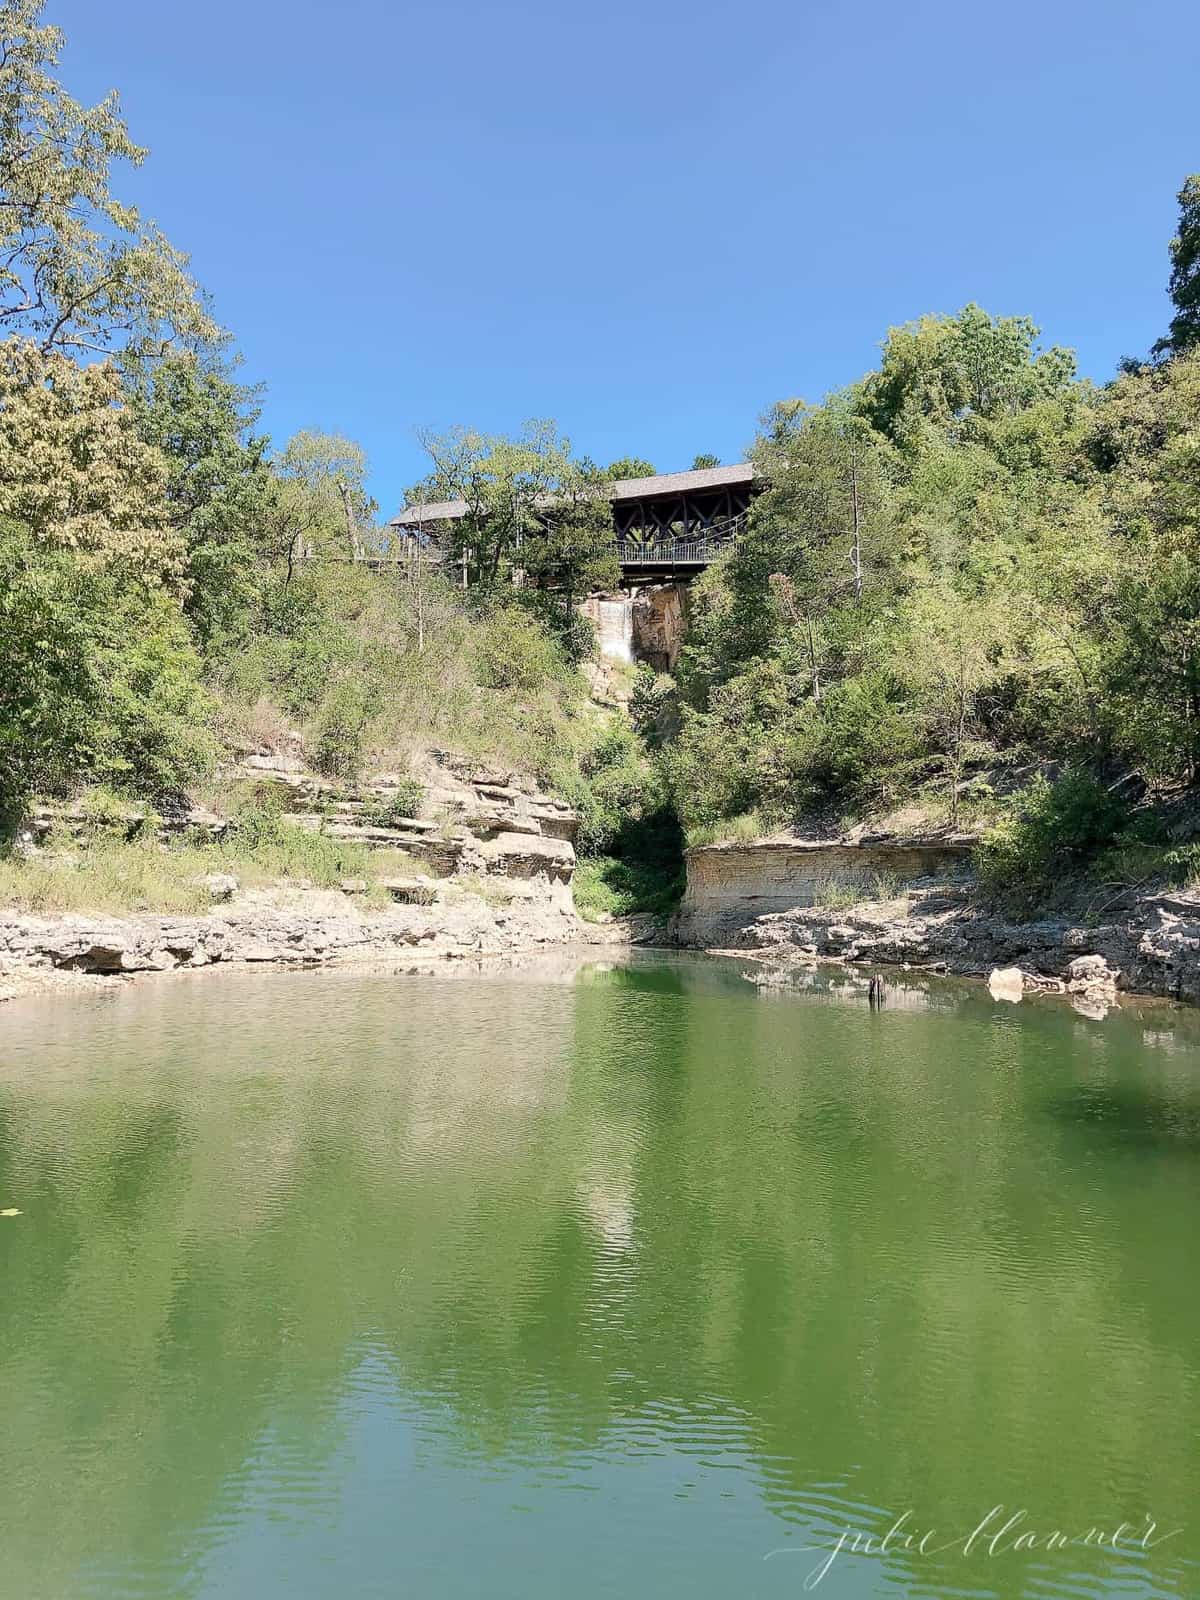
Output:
[[735, 830], [112, 874], [605, 887], [837, 893]]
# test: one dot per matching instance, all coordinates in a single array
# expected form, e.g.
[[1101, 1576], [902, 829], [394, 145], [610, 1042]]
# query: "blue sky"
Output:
[[647, 220]]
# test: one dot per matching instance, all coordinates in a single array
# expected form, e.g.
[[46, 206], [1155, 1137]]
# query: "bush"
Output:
[[99, 681], [611, 886], [1056, 831], [512, 650], [399, 804], [339, 729]]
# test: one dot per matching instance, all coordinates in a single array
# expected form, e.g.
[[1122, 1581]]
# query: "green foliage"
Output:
[[511, 651], [968, 559], [1056, 829], [630, 467], [609, 886], [98, 678], [81, 270], [218, 489], [401, 803], [339, 729], [703, 461], [1184, 334]]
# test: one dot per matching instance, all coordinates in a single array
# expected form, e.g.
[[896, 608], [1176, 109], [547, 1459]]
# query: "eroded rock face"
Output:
[[494, 859], [731, 886], [659, 624], [646, 624]]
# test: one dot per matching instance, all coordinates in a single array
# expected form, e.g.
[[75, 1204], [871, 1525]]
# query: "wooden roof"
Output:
[[621, 489]]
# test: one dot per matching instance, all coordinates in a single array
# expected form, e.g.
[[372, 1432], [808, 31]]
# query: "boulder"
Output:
[[411, 891], [1090, 969], [221, 886], [1006, 983], [523, 855]]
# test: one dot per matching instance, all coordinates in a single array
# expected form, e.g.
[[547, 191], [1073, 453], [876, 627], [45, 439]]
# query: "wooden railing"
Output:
[[697, 550]]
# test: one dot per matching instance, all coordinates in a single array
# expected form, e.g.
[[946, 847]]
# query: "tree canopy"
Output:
[[79, 268]]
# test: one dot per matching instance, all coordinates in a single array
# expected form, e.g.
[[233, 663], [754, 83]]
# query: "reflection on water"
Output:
[[622, 1279]]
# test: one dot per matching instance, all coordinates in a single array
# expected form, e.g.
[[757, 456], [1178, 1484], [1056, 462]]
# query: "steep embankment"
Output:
[[913, 902]]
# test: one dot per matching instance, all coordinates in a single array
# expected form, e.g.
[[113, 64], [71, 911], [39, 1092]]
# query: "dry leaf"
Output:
[[10, 1211]]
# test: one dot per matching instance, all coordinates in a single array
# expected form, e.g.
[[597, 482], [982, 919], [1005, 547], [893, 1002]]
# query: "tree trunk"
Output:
[[347, 507], [856, 509]]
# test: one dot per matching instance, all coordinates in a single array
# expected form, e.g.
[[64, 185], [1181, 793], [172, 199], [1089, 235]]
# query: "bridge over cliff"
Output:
[[668, 526]]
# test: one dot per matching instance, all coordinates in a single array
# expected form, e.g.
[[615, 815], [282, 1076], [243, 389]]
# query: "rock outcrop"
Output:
[[731, 886], [492, 864], [763, 899], [295, 928]]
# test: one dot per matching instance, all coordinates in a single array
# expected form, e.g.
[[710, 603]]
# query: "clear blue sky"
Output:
[[647, 220]]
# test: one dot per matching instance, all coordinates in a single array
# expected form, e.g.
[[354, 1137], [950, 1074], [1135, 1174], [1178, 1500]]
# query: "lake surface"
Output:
[[595, 1280]]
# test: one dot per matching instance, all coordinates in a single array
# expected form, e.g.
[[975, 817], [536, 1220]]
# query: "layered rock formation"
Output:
[[773, 901], [731, 886], [493, 863], [296, 928]]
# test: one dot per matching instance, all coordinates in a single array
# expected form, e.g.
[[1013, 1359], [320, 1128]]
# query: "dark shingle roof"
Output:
[[663, 483]]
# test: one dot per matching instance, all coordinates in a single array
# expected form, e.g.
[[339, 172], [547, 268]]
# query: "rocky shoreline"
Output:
[[1153, 951], [302, 929]]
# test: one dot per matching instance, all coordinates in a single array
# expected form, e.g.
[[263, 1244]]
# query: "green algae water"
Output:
[[595, 1280]]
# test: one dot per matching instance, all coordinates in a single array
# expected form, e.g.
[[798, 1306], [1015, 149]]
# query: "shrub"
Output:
[[399, 804], [512, 650], [1058, 829], [339, 730]]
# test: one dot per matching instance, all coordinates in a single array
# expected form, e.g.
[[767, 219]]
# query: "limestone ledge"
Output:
[[731, 886], [313, 928]]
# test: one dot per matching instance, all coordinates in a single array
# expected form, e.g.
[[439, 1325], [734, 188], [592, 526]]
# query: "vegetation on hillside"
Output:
[[973, 580]]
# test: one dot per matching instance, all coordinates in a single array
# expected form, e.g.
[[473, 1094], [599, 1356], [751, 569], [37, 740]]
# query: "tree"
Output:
[[1184, 287], [78, 268], [825, 514], [218, 484], [98, 678], [701, 462], [957, 652], [519, 493], [74, 471], [630, 467], [322, 505], [946, 372], [574, 554]]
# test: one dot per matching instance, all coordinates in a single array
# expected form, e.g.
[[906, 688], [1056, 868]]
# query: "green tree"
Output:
[[703, 461], [1184, 287], [322, 508], [944, 372], [98, 678], [575, 553], [218, 485], [529, 506], [631, 467], [79, 269]]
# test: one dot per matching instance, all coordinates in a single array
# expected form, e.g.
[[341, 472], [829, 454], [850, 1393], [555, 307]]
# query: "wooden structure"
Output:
[[668, 526]]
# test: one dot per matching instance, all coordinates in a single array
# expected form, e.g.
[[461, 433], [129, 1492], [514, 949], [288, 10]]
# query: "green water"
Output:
[[601, 1281]]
